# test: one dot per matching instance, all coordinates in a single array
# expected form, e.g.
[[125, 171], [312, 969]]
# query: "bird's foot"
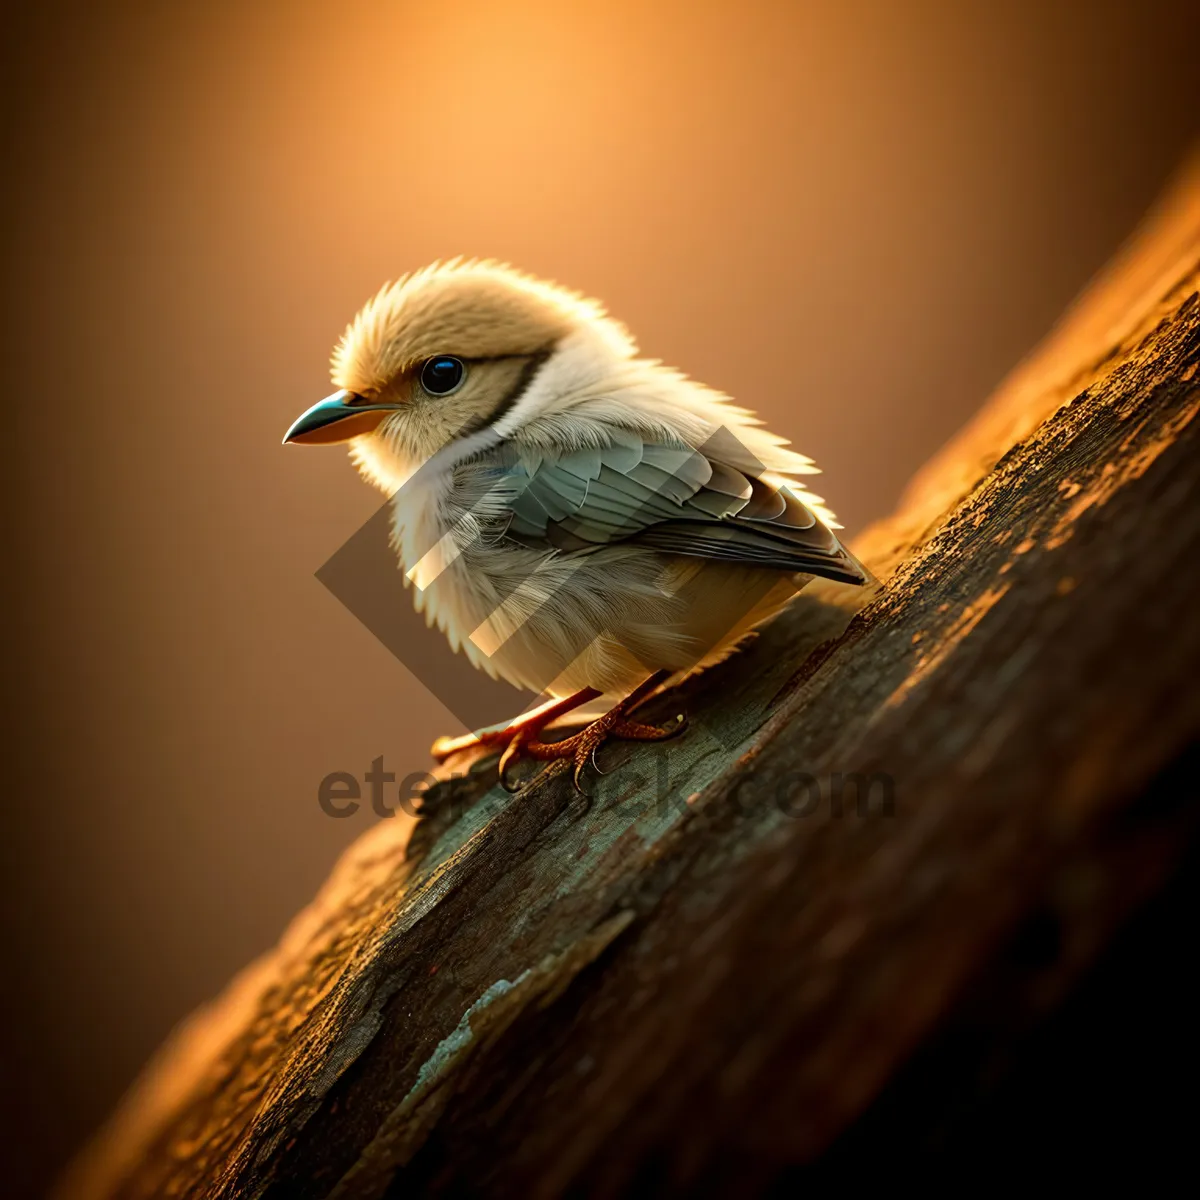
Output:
[[532, 722], [581, 747]]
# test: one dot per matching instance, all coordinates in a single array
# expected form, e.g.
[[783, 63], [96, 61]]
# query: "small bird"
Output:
[[577, 519]]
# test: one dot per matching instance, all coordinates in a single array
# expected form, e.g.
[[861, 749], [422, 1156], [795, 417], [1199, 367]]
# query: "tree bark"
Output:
[[884, 859]]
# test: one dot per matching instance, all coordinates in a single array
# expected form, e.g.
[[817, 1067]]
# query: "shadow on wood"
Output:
[[817, 927]]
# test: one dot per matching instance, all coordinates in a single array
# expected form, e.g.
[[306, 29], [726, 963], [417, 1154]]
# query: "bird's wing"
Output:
[[674, 499]]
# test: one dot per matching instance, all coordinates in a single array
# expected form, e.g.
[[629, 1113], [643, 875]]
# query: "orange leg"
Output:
[[529, 723], [581, 747]]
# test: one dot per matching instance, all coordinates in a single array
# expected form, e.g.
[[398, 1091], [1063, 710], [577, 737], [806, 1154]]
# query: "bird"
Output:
[[577, 519]]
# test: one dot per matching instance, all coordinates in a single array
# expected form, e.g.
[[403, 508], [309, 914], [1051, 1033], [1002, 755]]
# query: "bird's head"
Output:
[[443, 353]]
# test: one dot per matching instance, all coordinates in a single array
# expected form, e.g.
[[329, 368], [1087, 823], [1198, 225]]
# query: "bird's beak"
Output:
[[338, 418]]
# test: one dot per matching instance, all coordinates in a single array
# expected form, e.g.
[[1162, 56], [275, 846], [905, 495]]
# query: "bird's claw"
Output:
[[595, 765], [577, 778], [581, 748], [512, 752]]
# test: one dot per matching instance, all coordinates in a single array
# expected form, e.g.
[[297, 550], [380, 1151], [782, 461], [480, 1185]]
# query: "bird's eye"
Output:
[[442, 375]]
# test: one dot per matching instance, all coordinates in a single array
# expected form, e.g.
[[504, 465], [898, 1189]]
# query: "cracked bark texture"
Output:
[[903, 834]]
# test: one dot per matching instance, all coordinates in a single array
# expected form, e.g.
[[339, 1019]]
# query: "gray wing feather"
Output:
[[582, 463], [682, 462], [730, 482], [662, 482], [673, 499], [625, 452], [766, 503]]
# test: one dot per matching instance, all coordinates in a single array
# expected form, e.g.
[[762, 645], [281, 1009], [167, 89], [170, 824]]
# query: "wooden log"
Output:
[[728, 963]]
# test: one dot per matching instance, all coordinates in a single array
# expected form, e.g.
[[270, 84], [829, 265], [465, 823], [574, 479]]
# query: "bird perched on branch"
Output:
[[578, 520]]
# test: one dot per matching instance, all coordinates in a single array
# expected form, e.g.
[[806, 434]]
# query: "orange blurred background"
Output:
[[854, 217]]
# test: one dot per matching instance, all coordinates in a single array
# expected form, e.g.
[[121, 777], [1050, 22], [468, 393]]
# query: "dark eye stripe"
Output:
[[528, 373]]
